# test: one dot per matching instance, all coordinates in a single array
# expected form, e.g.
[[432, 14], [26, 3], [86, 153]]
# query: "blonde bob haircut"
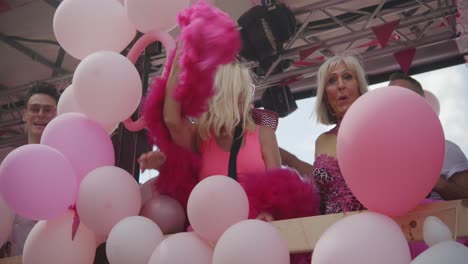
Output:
[[323, 111], [230, 105]]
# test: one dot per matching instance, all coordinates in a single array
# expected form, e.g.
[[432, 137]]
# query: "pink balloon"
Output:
[[182, 248], [166, 212], [107, 87], [390, 142], [37, 182], [82, 140], [362, 238], [6, 221], [106, 196], [433, 101], [86, 26], [51, 242], [147, 191], [67, 102], [147, 15], [251, 242], [133, 240], [216, 203]]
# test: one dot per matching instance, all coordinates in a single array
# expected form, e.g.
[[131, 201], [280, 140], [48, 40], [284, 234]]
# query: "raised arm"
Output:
[[454, 188], [290, 160], [182, 131], [270, 149]]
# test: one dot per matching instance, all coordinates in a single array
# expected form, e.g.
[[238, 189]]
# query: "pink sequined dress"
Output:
[[335, 196]]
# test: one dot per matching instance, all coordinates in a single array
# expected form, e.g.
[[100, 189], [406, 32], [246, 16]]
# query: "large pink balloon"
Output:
[[37, 182], [363, 238], [51, 242], [6, 221], [106, 196], [147, 15], [86, 26], [133, 240], [166, 212], [182, 248], [82, 140], [216, 203], [107, 87], [251, 242], [391, 149]]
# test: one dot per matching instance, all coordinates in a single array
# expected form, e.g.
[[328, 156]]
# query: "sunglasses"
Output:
[[35, 109]]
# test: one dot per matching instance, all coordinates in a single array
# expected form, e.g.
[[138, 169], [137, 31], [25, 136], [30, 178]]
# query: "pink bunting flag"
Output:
[[76, 221], [384, 32], [306, 53], [405, 58]]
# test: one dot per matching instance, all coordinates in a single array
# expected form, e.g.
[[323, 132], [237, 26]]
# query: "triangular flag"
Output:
[[405, 59], [384, 32], [306, 53]]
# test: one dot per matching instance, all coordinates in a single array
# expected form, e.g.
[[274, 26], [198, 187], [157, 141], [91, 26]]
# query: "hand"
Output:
[[440, 185], [265, 217], [151, 160]]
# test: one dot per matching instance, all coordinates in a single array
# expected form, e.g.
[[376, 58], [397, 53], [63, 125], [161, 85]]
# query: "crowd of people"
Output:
[[229, 129]]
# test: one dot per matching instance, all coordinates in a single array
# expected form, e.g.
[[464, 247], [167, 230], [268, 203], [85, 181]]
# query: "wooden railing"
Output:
[[303, 233]]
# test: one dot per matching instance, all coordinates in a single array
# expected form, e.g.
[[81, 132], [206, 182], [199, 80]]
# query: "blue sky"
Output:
[[298, 131]]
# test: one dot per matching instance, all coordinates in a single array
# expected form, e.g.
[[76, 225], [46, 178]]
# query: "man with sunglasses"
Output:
[[40, 108]]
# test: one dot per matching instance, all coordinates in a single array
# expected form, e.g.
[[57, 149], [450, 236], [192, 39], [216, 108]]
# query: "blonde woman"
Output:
[[213, 133], [341, 80]]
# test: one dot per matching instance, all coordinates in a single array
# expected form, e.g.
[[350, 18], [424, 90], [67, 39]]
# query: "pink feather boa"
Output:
[[281, 193], [210, 38], [178, 175]]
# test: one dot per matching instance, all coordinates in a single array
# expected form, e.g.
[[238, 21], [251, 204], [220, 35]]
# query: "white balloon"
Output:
[[107, 87], [133, 240], [67, 102], [435, 231], [85, 26], [449, 252]]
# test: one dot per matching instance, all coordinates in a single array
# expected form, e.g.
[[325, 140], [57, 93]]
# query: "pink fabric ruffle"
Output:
[[210, 38], [281, 193]]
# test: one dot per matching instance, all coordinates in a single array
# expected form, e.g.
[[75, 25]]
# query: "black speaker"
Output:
[[279, 99], [264, 30]]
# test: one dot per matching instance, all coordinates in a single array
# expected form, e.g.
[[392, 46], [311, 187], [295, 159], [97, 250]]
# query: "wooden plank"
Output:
[[12, 260], [303, 233]]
